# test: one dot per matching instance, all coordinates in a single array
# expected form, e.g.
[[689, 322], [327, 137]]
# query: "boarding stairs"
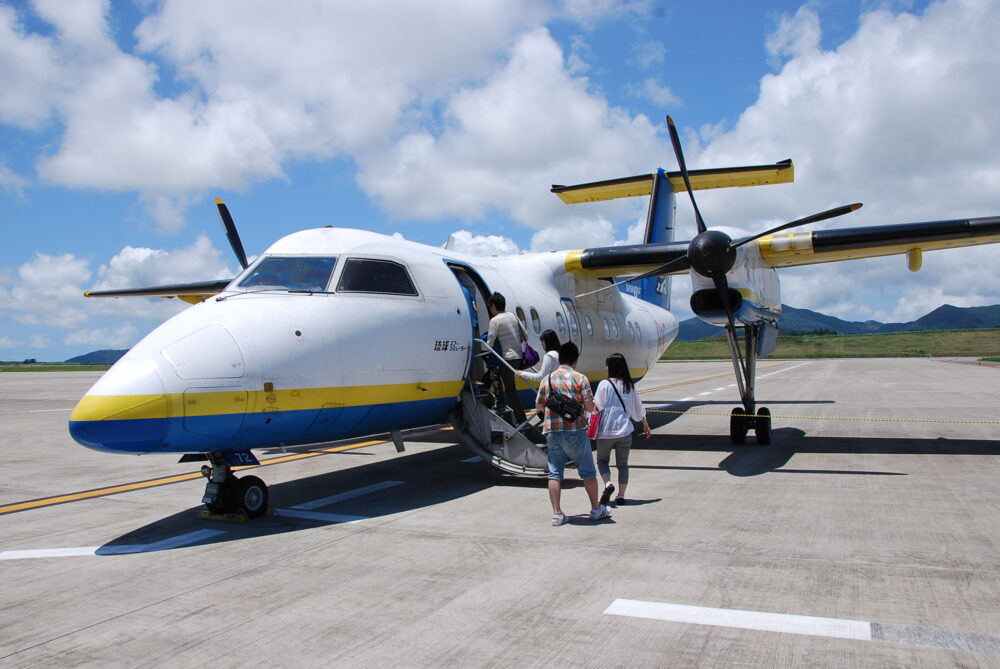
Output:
[[487, 428]]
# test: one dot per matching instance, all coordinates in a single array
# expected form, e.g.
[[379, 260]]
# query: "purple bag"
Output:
[[530, 355]]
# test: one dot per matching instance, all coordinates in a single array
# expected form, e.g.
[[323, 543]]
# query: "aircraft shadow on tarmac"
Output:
[[417, 480], [752, 459]]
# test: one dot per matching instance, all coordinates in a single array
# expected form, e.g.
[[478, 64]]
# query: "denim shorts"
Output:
[[567, 445]]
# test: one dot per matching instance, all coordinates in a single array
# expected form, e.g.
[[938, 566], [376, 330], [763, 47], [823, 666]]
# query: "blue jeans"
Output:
[[567, 445]]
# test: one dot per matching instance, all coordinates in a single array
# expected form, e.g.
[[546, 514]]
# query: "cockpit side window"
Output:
[[367, 275], [311, 274]]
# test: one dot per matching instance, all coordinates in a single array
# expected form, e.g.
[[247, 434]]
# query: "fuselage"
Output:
[[295, 351]]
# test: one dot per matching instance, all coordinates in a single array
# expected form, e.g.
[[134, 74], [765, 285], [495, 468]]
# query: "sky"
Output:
[[121, 121]]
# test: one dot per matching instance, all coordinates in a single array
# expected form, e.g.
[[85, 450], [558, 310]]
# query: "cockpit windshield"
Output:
[[312, 274]]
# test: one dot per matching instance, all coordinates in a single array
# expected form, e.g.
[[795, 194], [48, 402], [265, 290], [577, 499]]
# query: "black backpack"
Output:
[[563, 406]]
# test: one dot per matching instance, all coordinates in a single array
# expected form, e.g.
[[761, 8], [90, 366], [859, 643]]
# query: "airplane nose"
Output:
[[126, 411]]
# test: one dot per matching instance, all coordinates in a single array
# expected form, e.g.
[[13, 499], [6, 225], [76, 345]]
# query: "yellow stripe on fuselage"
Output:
[[135, 407], [574, 265]]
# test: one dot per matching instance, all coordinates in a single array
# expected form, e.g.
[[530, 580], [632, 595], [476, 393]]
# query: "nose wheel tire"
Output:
[[762, 426], [251, 496], [739, 424]]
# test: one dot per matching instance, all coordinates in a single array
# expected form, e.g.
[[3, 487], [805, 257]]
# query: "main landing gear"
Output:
[[749, 417], [225, 494]]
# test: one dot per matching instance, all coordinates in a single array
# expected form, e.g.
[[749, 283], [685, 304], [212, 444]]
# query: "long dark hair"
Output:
[[550, 340], [618, 369]]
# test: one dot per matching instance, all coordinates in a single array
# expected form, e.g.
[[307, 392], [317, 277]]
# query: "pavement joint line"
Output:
[[841, 628], [847, 418]]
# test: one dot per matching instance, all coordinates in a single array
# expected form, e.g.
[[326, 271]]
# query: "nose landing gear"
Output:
[[225, 494]]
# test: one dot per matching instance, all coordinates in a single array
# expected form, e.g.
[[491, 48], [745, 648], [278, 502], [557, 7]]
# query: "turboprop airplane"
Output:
[[335, 333]]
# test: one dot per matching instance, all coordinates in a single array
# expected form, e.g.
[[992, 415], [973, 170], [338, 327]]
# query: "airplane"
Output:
[[334, 333]]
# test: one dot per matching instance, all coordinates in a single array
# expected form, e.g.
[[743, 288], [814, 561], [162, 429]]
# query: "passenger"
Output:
[[618, 402], [567, 440], [549, 362], [506, 329]]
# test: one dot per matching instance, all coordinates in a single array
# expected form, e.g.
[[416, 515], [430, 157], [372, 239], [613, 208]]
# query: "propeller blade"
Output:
[[676, 141], [230, 227], [645, 275], [822, 216]]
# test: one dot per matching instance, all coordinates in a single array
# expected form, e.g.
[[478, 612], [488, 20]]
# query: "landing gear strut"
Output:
[[742, 420], [225, 494]]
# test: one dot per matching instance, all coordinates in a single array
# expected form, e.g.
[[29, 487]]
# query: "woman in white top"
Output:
[[549, 362], [618, 402]]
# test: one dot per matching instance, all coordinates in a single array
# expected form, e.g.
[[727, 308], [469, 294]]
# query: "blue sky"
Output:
[[121, 121]]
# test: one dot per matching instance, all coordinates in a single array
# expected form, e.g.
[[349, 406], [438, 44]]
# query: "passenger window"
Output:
[[561, 325], [638, 332], [589, 325], [607, 328], [536, 322], [291, 274], [615, 333], [631, 331], [363, 275], [520, 316]]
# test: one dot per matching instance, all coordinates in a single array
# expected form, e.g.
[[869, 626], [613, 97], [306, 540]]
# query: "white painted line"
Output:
[[705, 393], [323, 517], [162, 545], [717, 390], [685, 399], [474, 458], [47, 410], [340, 497], [779, 371], [48, 553], [752, 620]]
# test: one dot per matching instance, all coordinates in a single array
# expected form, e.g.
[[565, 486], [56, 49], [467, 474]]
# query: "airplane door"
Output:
[[475, 291], [573, 322]]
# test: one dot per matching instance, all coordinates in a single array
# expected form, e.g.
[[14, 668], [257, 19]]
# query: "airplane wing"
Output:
[[189, 292], [788, 249]]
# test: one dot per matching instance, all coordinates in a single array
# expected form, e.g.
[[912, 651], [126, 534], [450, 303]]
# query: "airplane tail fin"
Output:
[[659, 228], [658, 248]]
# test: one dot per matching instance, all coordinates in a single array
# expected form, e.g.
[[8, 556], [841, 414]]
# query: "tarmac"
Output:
[[865, 535]]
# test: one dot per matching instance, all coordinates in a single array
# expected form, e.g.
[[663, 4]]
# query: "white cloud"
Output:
[[122, 336], [47, 292], [530, 123], [899, 117], [651, 89], [647, 54], [11, 182], [464, 241], [578, 234], [7, 342]]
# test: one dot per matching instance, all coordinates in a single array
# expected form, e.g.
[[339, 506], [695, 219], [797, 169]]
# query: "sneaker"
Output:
[[559, 519], [608, 492], [621, 501], [600, 513]]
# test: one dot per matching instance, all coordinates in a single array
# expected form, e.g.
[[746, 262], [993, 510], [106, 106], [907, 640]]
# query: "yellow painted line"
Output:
[[167, 480]]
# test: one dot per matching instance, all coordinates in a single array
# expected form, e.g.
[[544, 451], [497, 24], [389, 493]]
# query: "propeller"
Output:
[[231, 233]]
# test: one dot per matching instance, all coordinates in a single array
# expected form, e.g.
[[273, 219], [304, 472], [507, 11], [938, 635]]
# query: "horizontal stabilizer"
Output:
[[722, 177]]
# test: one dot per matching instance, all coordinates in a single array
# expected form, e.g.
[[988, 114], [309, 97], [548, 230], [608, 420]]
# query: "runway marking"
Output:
[[357, 492], [167, 480], [323, 517], [840, 628], [124, 549], [474, 458]]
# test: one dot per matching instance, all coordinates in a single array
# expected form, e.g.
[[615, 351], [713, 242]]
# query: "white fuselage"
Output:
[[256, 366]]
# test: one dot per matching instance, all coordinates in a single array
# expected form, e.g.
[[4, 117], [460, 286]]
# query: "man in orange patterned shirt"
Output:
[[567, 440]]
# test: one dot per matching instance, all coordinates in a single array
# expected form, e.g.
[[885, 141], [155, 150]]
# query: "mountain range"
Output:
[[800, 321]]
